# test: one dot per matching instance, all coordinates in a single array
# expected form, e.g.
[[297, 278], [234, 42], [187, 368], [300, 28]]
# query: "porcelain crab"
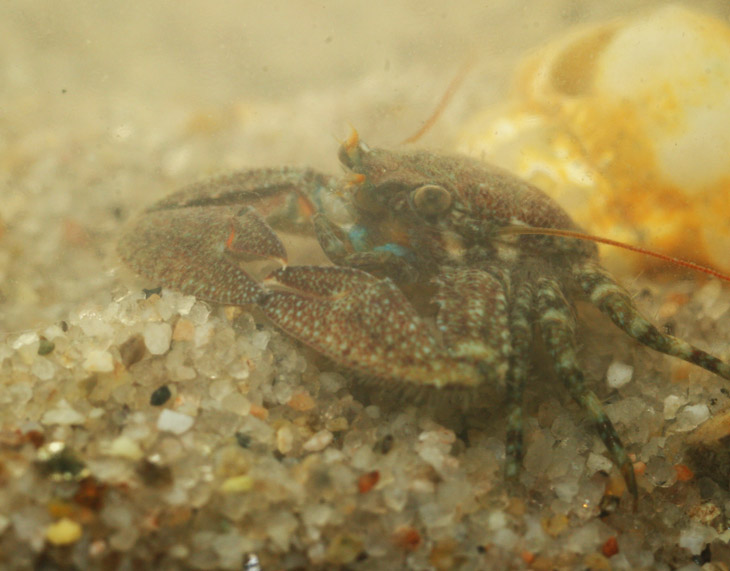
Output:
[[426, 289]]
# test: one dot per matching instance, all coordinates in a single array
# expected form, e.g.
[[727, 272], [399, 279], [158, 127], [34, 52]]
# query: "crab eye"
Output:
[[430, 199]]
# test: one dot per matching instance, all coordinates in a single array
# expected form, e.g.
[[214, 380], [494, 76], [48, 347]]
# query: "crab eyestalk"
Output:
[[350, 151]]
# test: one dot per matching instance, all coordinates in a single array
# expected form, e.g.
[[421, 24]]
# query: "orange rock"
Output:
[[407, 538], [610, 548], [367, 482]]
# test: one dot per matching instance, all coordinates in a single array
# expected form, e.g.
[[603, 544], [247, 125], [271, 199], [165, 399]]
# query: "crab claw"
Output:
[[200, 251], [361, 322]]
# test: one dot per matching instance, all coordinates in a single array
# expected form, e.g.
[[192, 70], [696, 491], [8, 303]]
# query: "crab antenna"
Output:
[[581, 236], [445, 100]]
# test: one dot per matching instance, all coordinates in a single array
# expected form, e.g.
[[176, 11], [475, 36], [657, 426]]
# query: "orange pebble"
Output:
[[610, 548], [367, 482], [527, 556], [684, 472], [301, 401], [259, 412], [407, 538]]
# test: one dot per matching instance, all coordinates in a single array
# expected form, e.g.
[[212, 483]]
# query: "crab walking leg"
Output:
[[615, 302], [473, 319], [557, 323], [521, 330]]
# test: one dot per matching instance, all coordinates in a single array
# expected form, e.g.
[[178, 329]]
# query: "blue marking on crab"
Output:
[[397, 249], [358, 238]]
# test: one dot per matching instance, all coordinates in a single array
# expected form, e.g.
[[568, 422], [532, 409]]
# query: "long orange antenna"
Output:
[[581, 236], [445, 99]]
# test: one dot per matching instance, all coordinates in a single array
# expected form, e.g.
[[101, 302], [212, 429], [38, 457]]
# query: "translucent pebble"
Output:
[[695, 537], [281, 529], [117, 516], [176, 496], [24, 339], [239, 369], [183, 373], [566, 490], [708, 294], [99, 361], [237, 403], [618, 374], [165, 305], [373, 411], [626, 411], [316, 515], [691, 417], [395, 498], [585, 539], [343, 549], [672, 404], [282, 390], [62, 413], [220, 389], [203, 334], [539, 453], [597, 463], [435, 515], [319, 441], [199, 313], [496, 520], [64, 532], [157, 337], [563, 427], [185, 304], [330, 382], [124, 447], [18, 394], [260, 339], [422, 486], [94, 325], [175, 422], [179, 551], [53, 331], [124, 539], [433, 456], [506, 538], [363, 458], [284, 439], [43, 369], [230, 547]]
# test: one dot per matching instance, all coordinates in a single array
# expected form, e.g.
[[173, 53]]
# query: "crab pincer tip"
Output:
[[349, 153], [352, 141]]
